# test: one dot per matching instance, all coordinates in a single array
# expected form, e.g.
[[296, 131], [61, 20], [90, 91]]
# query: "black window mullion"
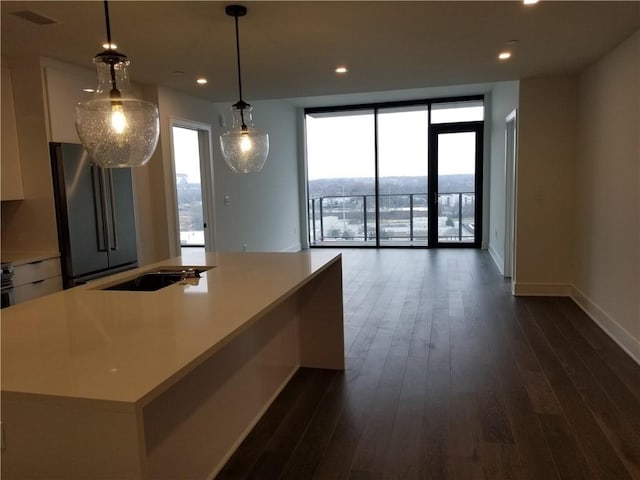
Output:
[[479, 184], [376, 174], [432, 180]]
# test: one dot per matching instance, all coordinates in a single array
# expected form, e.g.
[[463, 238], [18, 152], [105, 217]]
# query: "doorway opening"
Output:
[[511, 134], [456, 163], [193, 185]]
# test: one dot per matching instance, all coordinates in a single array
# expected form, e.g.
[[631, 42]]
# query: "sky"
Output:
[[342, 146], [186, 153]]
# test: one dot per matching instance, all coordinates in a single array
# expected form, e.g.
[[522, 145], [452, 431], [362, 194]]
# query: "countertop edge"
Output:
[[204, 356]]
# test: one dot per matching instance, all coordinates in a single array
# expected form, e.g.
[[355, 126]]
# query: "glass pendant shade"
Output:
[[244, 148], [116, 128]]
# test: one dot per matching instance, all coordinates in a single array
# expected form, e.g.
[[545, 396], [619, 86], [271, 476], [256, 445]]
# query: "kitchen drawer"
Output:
[[32, 272], [37, 289]]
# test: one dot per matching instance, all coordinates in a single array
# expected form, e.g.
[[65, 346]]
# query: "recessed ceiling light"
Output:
[[88, 90], [109, 46], [341, 70], [529, 2], [504, 55], [202, 81]]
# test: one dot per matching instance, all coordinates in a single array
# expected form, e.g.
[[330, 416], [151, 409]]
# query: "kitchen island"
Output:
[[164, 384]]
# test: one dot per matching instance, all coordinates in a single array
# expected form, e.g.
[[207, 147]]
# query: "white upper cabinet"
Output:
[[64, 90], [10, 170]]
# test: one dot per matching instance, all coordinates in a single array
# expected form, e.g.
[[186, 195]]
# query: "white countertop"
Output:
[[127, 347]]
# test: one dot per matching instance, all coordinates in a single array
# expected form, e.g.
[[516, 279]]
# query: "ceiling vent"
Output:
[[34, 17]]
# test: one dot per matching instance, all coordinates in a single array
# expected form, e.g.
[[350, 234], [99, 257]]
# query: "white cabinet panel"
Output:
[[32, 272], [64, 90], [11, 178], [37, 289], [35, 279]]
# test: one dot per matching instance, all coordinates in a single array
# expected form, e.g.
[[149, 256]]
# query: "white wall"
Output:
[[264, 210], [606, 244], [546, 157], [264, 213], [504, 99]]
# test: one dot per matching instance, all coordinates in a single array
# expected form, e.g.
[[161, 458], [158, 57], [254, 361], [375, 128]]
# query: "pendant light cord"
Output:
[[115, 93], [238, 58], [106, 18], [241, 102]]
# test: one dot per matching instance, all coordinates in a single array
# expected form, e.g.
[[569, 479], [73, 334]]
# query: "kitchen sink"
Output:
[[160, 278]]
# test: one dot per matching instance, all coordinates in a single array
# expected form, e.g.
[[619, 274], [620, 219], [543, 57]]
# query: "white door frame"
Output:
[[206, 179], [511, 162]]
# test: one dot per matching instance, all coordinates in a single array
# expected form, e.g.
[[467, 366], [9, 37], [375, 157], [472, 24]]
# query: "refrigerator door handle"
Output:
[[114, 223], [105, 215], [98, 194]]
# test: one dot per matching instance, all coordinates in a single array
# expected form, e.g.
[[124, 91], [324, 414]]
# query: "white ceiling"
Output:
[[289, 49]]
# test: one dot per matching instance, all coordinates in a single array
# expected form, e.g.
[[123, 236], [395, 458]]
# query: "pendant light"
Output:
[[116, 128], [244, 148]]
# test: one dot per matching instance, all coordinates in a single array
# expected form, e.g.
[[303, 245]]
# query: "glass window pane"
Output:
[[451, 112], [456, 186], [341, 172], [402, 167], [186, 157]]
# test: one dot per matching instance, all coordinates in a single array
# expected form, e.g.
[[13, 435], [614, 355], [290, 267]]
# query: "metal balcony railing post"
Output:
[[321, 221], [313, 218], [411, 217], [334, 209]]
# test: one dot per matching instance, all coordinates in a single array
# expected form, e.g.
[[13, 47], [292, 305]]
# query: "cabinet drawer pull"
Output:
[[36, 262], [37, 282]]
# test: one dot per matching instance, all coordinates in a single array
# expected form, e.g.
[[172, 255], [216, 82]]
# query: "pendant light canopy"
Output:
[[244, 148], [116, 128]]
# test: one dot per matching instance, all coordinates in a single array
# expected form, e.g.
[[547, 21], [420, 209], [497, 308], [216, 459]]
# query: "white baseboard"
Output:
[[617, 333], [296, 247], [497, 259], [541, 289]]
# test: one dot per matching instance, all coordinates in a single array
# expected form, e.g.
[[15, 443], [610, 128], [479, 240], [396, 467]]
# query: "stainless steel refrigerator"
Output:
[[95, 215]]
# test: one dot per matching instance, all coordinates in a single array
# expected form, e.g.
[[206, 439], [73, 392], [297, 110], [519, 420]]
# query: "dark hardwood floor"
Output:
[[450, 376]]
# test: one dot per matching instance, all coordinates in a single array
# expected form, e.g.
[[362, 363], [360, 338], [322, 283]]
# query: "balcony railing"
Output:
[[403, 218]]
